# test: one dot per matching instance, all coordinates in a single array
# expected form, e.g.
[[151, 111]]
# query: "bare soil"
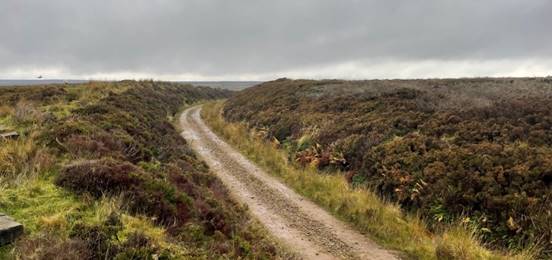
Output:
[[304, 228]]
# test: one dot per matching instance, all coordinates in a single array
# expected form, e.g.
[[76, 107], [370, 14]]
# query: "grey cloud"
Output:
[[211, 37]]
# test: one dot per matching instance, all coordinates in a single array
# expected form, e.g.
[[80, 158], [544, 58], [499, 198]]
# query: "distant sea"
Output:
[[232, 85]]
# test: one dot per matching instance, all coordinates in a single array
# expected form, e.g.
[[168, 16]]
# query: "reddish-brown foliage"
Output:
[[480, 148]]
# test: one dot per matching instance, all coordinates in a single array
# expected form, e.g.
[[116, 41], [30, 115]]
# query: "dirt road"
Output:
[[299, 224]]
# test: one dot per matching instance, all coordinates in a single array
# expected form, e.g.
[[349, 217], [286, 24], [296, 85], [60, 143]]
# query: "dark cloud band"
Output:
[[252, 37]]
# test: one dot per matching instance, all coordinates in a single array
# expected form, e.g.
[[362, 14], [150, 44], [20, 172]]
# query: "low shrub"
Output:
[[99, 238], [46, 246], [451, 150], [102, 241], [142, 193], [99, 177], [139, 246], [95, 146]]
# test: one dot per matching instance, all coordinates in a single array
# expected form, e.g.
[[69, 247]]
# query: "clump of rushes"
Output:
[[380, 219], [114, 141]]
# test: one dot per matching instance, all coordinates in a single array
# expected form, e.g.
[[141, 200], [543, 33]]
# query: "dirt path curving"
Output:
[[302, 226]]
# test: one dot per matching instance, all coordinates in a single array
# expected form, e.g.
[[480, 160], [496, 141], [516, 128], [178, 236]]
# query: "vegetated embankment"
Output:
[[99, 172], [475, 152]]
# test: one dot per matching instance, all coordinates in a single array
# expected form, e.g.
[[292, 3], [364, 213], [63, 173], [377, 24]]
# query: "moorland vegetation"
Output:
[[99, 172], [459, 152]]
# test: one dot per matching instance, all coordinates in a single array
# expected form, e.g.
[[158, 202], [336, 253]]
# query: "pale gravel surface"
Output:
[[303, 227]]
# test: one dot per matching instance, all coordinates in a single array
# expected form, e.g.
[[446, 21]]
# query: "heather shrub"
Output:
[[139, 246], [99, 177], [141, 193], [46, 246], [95, 146], [40, 95], [50, 94], [99, 238], [473, 150], [102, 241]]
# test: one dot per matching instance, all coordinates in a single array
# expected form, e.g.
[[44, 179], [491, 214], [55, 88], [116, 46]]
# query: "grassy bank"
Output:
[[99, 172], [382, 221]]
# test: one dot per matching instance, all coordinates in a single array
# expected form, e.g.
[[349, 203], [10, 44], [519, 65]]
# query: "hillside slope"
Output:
[[99, 172], [476, 151]]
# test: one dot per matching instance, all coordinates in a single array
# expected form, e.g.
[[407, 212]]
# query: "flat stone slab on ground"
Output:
[[9, 229], [9, 135]]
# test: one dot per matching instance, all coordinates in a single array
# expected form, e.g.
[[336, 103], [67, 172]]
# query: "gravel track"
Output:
[[303, 227]]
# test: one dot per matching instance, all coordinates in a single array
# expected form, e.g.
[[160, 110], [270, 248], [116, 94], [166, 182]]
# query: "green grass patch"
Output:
[[37, 203]]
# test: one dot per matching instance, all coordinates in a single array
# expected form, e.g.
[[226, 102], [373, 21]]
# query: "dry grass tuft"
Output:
[[27, 112], [6, 111], [45, 246], [22, 158]]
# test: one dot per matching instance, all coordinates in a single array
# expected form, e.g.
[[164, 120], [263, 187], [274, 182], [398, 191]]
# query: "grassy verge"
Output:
[[382, 221], [99, 172]]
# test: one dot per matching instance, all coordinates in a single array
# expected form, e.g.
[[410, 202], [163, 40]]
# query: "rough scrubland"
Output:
[[474, 153], [99, 172]]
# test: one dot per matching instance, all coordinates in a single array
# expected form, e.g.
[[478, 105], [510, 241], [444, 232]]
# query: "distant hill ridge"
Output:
[[232, 85]]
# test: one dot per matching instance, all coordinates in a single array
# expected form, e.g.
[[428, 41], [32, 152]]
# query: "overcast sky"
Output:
[[262, 40]]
